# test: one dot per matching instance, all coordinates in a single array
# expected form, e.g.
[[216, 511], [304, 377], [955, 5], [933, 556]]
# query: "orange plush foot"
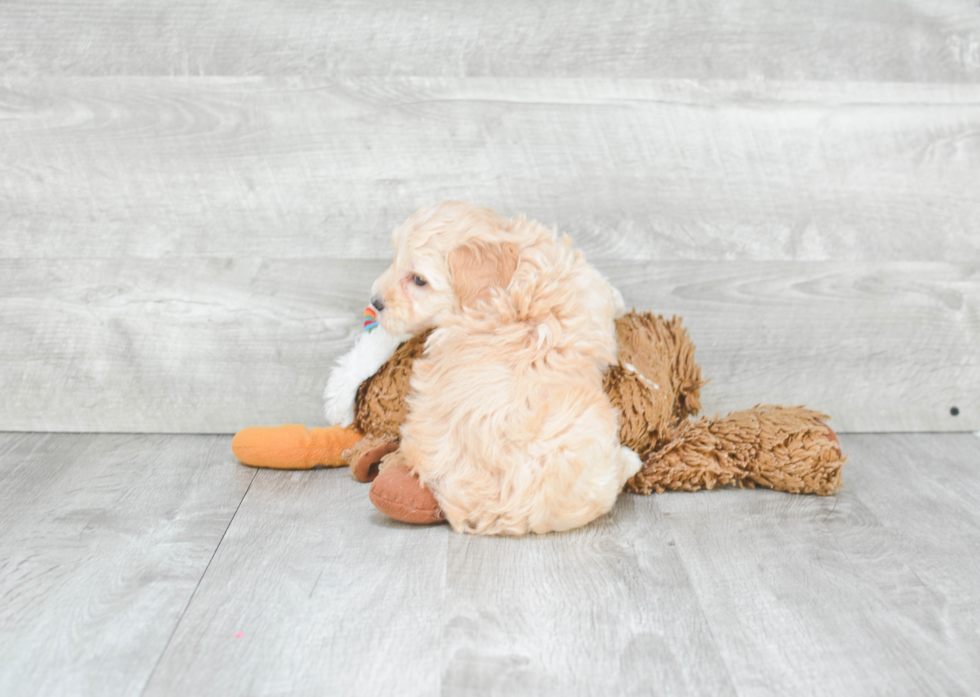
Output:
[[398, 494], [293, 447], [365, 467]]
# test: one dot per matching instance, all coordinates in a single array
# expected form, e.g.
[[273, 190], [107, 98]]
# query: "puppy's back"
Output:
[[509, 424]]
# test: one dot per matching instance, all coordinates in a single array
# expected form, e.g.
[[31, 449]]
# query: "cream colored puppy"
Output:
[[509, 425]]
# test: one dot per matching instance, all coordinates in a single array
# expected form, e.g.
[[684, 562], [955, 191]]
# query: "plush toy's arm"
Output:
[[293, 447]]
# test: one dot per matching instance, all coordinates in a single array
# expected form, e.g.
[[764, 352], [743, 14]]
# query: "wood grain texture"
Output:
[[632, 169], [879, 347], [328, 596], [614, 591], [214, 345], [103, 540], [874, 40], [809, 595], [930, 497], [200, 346], [331, 598], [727, 592]]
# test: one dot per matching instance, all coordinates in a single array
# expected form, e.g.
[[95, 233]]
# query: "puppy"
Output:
[[508, 423]]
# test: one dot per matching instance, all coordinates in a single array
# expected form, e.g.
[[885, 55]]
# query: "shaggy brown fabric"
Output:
[[379, 408], [783, 448], [644, 407], [657, 347], [656, 386], [656, 383]]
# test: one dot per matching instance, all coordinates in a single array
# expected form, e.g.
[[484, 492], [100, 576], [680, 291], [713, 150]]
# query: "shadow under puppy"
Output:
[[508, 423]]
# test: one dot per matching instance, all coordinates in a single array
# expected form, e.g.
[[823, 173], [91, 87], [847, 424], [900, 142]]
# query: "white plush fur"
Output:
[[508, 423], [368, 354]]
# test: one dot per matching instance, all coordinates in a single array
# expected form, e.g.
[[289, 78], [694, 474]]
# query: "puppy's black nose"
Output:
[[378, 304]]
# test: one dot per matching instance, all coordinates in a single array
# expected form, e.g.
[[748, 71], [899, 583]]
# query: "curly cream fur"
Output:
[[508, 423]]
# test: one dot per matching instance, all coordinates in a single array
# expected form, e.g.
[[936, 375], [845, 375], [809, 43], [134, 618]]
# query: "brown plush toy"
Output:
[[656, 385]]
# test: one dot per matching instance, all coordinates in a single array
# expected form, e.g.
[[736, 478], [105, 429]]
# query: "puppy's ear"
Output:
[[478, 268]]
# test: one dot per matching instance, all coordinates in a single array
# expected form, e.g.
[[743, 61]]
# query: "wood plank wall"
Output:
[[195, 197]]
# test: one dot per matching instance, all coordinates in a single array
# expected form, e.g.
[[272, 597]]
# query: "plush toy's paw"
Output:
[[365, 466], [788, 449], [293, 446], [398, 494]]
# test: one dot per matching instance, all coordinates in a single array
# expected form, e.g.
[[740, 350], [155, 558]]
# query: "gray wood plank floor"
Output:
[[103, 540], [156, 565]]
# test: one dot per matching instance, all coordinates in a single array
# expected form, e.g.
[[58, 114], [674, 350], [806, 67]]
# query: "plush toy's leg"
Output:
[[293, 446], [399, 494], [365, 457], [783, 448]]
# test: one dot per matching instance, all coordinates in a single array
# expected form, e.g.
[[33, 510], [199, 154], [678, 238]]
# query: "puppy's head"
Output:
[[448, 257]]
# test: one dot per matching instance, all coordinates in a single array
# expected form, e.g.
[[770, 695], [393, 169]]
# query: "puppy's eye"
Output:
[[419, 281]]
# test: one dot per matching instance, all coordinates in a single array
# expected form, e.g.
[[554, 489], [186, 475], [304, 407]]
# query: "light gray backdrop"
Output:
[[195, 197]]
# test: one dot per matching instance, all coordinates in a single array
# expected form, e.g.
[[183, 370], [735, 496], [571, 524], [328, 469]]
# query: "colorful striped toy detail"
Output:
[[370, 319]]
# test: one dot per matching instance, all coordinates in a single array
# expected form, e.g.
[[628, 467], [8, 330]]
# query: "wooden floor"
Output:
[[156, 565]]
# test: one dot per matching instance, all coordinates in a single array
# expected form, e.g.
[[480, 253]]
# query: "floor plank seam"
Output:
[[700, 600], [190, 600]]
